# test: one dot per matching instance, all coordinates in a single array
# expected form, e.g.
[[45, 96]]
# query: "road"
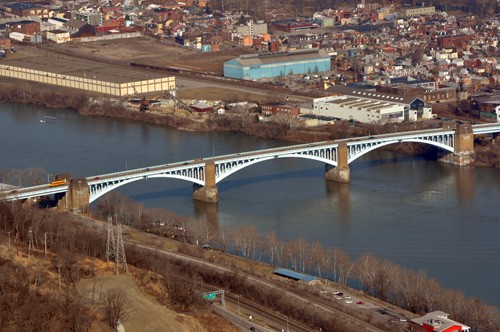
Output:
[[322, 306]]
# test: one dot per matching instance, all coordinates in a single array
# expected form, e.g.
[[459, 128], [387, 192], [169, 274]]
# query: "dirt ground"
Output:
[[145, 314], [151, 51]]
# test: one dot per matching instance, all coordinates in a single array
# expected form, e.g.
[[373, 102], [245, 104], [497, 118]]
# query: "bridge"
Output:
[[457, 143]]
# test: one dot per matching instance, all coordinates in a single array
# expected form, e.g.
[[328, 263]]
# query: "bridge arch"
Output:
[[231, 170], [409, 140], [110, 186]]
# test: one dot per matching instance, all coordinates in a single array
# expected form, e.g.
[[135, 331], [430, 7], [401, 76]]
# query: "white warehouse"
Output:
[[371, 106]]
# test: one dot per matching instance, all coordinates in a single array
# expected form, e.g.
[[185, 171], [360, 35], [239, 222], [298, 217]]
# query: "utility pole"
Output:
[[8, 233], [30, 241], [59, 272], [45, 243]]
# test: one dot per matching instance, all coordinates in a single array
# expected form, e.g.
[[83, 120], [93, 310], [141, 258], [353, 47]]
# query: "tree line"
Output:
[[61, 233], [24, 298], [381, 278]]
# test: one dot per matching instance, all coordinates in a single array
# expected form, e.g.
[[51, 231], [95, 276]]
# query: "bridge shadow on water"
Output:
[[365, 164], [310, 172], [228, 184], [177, 192]]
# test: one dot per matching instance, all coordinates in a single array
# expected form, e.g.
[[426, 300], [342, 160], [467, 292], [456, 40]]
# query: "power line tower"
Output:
[[120, 250], [110, 245], [31, 245]]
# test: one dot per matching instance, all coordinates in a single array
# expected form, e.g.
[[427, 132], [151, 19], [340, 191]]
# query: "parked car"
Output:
[[360, 302]]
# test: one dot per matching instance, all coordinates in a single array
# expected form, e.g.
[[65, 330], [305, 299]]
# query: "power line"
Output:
[[120, 250], [110, 245]]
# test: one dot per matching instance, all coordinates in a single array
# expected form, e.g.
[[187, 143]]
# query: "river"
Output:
[[416, 212]]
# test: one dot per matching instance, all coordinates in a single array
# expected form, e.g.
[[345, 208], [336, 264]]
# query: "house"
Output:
[[280, 109], [58, 36], [438, 321]]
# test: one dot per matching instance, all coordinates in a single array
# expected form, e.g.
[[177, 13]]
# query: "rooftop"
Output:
[[22, 5], [294, 275], [387, 97], [257, 59], [83, 69], [439, 321]]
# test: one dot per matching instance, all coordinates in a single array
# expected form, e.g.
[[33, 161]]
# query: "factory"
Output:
[[86, 75], [370, 106], [266, 65]]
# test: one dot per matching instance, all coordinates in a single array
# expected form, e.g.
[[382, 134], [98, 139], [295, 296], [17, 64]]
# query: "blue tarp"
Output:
[[294, 275]]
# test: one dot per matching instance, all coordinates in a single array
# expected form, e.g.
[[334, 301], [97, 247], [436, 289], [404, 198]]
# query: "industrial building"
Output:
[[258, 66], [86, 75], [371, 106], [417, 11], [438, 321]]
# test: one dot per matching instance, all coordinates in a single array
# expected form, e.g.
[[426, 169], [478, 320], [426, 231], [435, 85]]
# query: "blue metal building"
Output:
[[257, 66]]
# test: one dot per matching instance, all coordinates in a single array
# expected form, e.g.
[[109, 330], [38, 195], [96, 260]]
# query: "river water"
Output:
[[418, 213]]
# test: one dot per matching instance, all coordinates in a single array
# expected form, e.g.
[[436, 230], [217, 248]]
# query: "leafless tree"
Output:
[[116, 307], [274, 248], [245, 239], [366, 272]]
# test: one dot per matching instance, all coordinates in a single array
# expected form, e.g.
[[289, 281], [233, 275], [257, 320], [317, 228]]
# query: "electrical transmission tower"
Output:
[[31, 245], [110, 246], [120, 250]]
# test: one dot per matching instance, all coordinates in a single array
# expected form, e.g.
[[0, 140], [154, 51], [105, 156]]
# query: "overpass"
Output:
[[76, 194]]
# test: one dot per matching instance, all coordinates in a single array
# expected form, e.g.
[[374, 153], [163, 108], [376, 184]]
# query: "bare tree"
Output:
[[274, 248], [245, 238], [116, 307]]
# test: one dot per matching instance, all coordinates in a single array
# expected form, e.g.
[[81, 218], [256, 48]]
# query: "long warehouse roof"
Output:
[[260, 59], [83, 68]]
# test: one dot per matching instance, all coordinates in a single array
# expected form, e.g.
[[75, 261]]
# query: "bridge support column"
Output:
[[341, 173], [78, 196], [209, 192], [464, 147]]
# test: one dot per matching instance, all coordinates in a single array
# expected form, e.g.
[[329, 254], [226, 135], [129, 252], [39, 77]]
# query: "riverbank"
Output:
[[88, 104]]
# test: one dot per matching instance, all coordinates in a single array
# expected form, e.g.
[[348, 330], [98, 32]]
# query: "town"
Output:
[[369, 52]]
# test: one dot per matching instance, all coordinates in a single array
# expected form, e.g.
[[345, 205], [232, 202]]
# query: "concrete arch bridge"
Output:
[[205, 173]]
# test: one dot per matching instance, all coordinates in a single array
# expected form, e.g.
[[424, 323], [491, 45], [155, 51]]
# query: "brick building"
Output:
[[280, 109], [25, 9], [25, 27], [458, 41]]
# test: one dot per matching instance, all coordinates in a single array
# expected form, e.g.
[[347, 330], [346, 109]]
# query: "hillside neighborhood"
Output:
[[414, 52]]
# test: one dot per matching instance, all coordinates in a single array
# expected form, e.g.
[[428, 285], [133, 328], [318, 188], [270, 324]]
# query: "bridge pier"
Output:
[[207, 193], [342, 172], [78, 196], [464, 147]]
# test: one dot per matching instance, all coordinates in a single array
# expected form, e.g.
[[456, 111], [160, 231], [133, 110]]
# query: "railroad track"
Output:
[[322, 306]]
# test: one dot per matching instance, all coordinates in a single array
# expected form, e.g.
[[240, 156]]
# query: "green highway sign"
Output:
[[209, 296]]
